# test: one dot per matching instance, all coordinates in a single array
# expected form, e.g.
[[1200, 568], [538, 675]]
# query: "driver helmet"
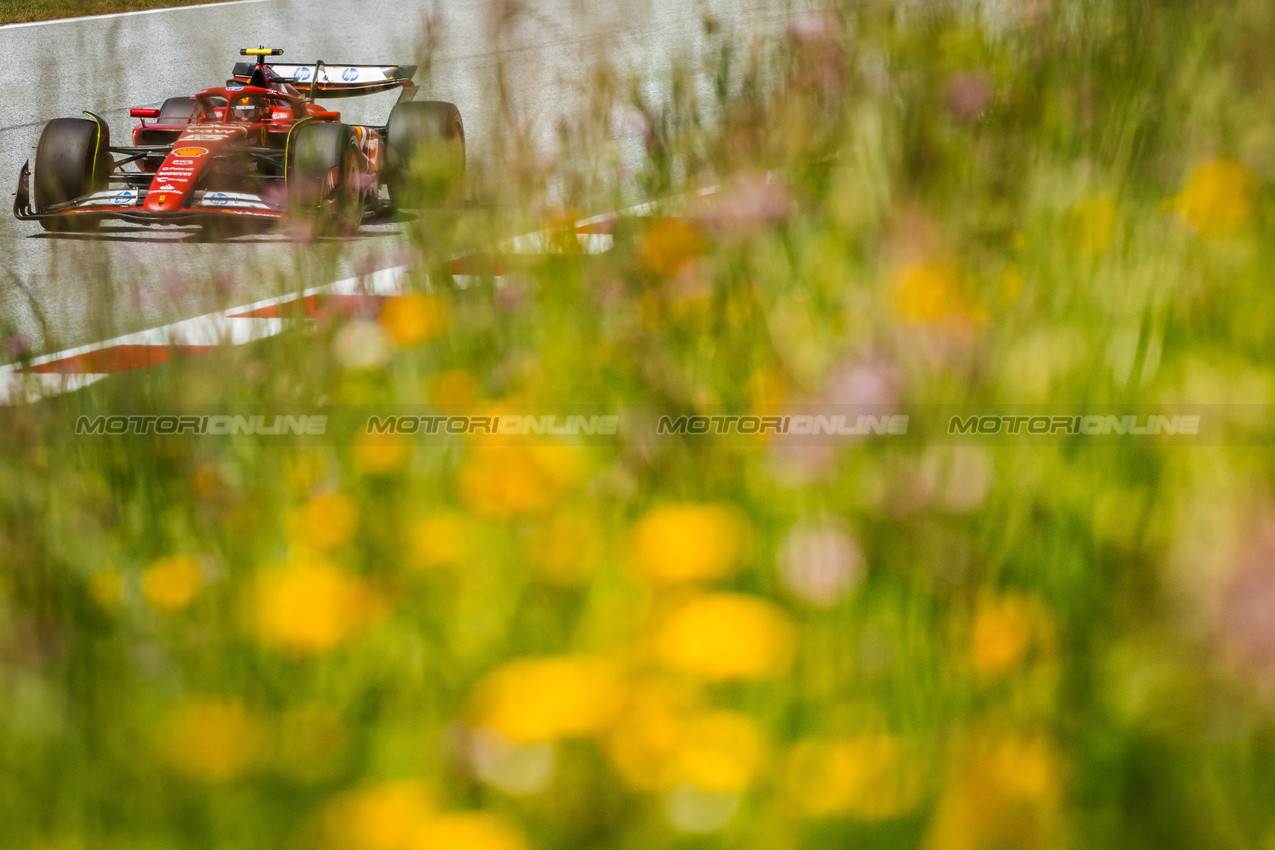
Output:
[[248, 112]]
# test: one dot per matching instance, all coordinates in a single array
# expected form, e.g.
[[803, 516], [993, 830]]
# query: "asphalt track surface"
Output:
[[64, 290]]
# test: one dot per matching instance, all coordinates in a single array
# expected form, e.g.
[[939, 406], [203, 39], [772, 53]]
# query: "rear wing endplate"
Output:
[[334, 80]]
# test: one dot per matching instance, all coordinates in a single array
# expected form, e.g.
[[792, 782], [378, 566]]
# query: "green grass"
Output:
[[629, 642], [21, 11]]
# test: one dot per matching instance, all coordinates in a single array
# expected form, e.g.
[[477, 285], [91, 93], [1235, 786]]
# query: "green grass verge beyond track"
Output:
[[21, 11]]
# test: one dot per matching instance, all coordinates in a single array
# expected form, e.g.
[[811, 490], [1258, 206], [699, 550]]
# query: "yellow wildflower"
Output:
[[412, 319], [646, 735], [1026, 768], [443, 539], [766, 388], [1093, 222], [468, 831], [662, 738], [107, 588], [1005, 629], [668, 245], [869, 777], [324, 521], [1003, 791], [387, 816], [380, 454], [1219, 197], [310, 608], [727, 636], [506, 481], [927, 292], [211, 739], [170, 584], [454, 388], [678, 543], [720, 751], [544, 699]]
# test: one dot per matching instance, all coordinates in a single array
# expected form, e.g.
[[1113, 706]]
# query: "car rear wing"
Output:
[[335, 80]]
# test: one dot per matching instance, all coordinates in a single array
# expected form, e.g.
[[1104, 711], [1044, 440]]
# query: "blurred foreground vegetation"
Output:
[[355, 644]]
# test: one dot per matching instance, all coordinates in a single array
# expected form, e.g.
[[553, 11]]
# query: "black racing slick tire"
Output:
[[321, 157], [178, 110], [73, 159], [425, 155]]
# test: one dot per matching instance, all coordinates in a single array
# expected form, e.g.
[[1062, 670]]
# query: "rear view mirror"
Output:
[[139, 112]]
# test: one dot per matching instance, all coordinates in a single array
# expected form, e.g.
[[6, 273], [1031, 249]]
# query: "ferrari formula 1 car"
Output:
[[254, 151]]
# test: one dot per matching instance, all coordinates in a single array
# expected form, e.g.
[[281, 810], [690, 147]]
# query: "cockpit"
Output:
[[257, 108]]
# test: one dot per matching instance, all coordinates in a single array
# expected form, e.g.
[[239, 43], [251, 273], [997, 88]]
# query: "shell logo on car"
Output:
[[190, 152]]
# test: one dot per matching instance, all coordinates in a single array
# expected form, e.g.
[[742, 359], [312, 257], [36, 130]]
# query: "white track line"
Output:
[[545, 242], [128, 14], [226, 327], [17, 388]]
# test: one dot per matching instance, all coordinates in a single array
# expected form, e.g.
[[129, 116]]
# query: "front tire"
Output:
[[73, 159], [425, 155]]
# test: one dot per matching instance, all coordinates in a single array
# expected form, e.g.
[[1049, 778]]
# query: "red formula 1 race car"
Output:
[[255, 151]]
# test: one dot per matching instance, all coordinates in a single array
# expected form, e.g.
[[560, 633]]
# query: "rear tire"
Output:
[[319, 186], [425, 155], [72, 160]]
